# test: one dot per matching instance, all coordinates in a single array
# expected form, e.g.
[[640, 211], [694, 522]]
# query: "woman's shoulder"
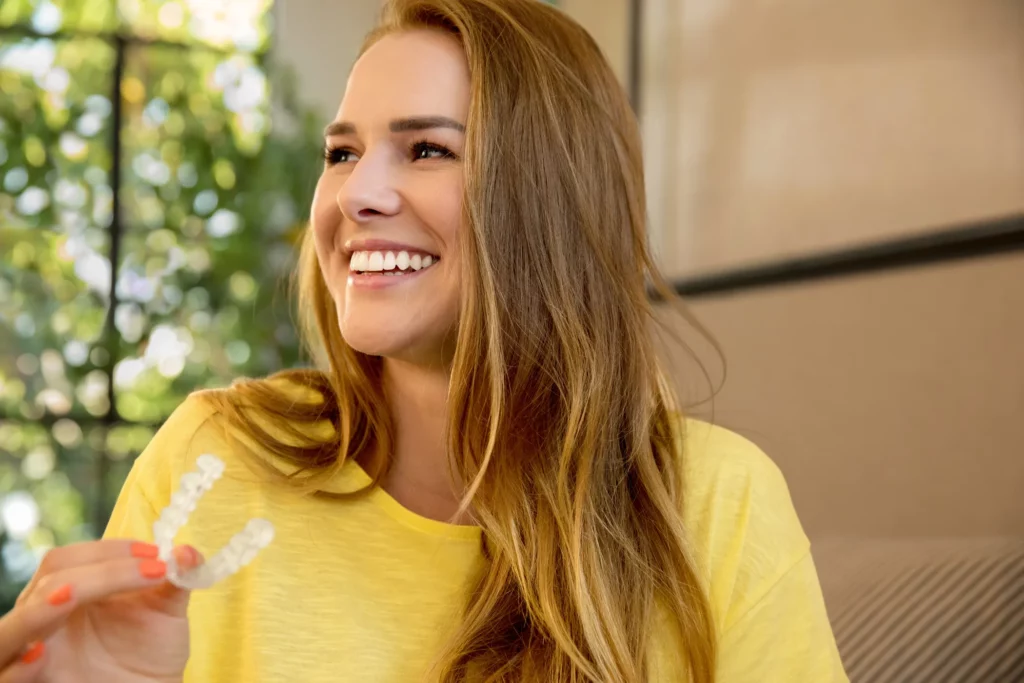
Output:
[[713, 450], [187, 432], [227, 424], [740, 517], [260, 429], [724, 470]]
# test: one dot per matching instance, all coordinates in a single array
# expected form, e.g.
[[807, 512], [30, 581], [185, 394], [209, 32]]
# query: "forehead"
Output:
[[412, 73]]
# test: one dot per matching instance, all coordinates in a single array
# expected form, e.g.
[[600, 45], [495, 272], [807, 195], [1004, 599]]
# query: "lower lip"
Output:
[[377, 281]]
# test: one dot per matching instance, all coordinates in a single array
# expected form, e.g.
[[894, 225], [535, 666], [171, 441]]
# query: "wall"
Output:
[[891, 401], [778, 128], [608, 22], [321, 41]]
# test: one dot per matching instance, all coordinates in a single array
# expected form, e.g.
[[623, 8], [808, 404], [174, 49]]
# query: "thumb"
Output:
[[173, 599], [188, 557]]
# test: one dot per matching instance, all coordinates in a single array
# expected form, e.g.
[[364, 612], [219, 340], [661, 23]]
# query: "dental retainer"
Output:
[[240, 550]]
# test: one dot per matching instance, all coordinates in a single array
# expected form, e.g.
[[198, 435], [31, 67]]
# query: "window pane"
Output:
[[213, 206], [225, 24], [123, 442], [58, 484], [47, 494], [54, 219], [228, 24], [49, 16], [193, 120]]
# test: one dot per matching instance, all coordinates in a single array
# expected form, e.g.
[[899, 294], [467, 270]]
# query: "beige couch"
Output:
[[926, 611]]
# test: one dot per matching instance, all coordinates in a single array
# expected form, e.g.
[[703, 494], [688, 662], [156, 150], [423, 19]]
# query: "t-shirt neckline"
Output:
[[406, 516]]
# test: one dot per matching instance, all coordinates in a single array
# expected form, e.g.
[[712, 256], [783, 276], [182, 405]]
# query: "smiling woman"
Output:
[[486, 478], [393, 172]]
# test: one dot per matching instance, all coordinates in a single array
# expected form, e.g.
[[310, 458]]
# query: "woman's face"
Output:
[[388, 205]]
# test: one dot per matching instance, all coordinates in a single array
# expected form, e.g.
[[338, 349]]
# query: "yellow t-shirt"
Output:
[[363, 590]]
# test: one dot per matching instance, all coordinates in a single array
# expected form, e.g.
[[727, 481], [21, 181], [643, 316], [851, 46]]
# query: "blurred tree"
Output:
[[212, 200]]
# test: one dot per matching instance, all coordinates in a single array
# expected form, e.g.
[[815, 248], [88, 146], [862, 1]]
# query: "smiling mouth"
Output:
[[389, 263]]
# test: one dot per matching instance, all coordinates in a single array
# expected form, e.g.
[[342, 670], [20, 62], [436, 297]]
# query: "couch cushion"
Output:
[[928, 610]]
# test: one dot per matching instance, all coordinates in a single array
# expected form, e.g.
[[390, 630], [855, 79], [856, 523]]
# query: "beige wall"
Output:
[[777, 128], [608, 22], [894, 403], [321, 41]]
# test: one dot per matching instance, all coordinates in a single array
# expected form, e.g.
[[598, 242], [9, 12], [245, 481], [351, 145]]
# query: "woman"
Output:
[[486, 479]]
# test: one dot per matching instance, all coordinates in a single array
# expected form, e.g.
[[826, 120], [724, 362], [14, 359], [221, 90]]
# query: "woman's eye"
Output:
[[338, 155], [428, 150]]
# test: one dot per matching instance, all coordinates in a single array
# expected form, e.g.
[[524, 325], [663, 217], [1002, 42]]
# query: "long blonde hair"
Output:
[[559, 415]]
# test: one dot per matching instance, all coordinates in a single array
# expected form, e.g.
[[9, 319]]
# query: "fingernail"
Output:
[[152, 569], [34, 653], [144, 550], [60, 596]]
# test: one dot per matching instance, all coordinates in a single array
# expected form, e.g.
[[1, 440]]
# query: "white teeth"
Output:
[[388, 263], [359, 261]]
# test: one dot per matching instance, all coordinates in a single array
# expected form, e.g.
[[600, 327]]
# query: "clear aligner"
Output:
[[240, 550]]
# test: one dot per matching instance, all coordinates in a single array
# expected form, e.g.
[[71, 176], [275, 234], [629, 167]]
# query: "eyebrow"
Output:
[[398, 125]]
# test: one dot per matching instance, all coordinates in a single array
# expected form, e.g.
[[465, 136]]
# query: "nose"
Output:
[[369, 192]]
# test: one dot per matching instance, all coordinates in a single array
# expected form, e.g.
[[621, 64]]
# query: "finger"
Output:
[[170, 598], [188, 557], [27, 667], [34, 620], [85, 553], [56, 595], [97, 581]]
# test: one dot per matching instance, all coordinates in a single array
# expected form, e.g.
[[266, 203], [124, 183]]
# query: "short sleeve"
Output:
[[785, 637], [151, 481], [764, 590]]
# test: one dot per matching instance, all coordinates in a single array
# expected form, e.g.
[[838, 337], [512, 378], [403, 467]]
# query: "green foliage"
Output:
[[240, 24], [212, 199]]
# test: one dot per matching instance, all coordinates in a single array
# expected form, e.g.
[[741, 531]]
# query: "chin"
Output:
[[372, 340], [417, 331], [419, 347]]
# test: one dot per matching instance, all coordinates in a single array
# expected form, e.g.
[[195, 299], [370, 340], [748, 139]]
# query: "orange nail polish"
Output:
[[152, 569], [60, 596], [34, 653], [144, 550]]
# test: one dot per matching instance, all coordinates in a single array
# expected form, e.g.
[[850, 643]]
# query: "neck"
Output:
[[419, 478]]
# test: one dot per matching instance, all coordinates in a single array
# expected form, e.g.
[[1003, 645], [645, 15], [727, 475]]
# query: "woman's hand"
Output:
[[98, 611]]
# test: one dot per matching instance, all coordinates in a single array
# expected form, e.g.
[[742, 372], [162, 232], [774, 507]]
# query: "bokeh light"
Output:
[[211, 202]]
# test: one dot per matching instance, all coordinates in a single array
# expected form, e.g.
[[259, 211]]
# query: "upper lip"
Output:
[[355, 245]]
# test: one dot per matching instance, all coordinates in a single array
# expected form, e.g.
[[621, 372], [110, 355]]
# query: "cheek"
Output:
[[325, 215], [439, 205], [325, 223]]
